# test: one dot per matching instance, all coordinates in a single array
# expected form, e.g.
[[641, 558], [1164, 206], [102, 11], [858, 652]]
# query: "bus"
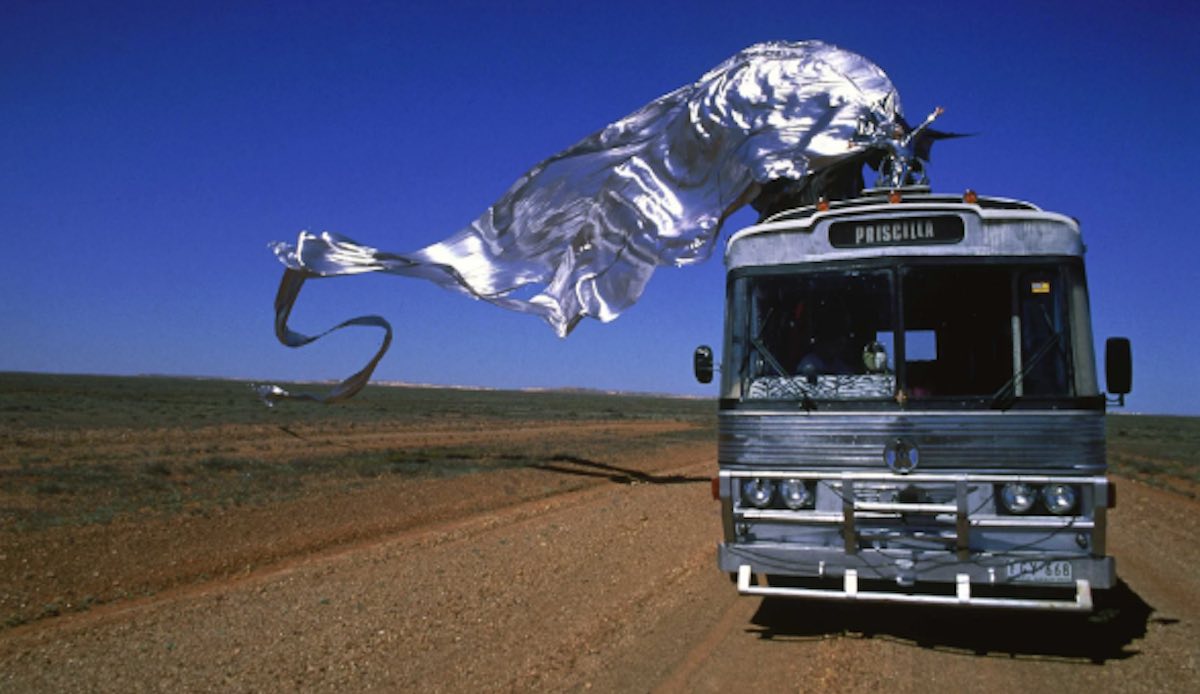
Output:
[[909, 409]]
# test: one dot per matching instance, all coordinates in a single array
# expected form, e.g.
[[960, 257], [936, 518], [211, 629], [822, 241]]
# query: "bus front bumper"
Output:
[[981, 580]]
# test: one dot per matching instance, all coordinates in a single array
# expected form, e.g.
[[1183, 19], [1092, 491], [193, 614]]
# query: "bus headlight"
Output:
[[1059, 498], [796, 494], [758, 492], [1017, 497]]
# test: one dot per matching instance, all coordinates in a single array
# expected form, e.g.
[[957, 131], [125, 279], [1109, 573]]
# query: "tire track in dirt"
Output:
[[734, 618], [61, 569], [434, 534], [612, 588], [531, 596]]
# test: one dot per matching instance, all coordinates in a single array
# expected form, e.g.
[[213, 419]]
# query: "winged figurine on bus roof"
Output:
[[779, 122]]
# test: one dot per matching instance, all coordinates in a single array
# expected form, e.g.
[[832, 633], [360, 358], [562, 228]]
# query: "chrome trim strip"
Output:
[[881, 507], [987, 440], [969, 478], [1016, 522], [1035, 522]]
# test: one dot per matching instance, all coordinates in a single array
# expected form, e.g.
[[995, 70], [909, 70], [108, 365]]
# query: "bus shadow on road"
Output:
[[1108, 633], [582, 467]]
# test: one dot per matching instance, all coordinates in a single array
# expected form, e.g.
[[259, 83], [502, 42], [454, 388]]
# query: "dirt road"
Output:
[[609, 586]]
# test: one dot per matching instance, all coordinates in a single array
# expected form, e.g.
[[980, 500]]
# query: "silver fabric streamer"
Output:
[[587, 227]]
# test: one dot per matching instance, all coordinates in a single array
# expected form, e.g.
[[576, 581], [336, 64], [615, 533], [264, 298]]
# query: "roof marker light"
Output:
[[894, 197], [970, 197], [822, 205]]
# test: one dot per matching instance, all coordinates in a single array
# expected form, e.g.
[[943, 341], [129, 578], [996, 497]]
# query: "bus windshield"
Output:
[[987, 332]]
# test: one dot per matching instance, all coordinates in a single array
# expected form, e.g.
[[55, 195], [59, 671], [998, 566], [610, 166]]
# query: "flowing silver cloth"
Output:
[[585, 229]]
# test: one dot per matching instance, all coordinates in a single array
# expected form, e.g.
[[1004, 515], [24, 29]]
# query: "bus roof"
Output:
[[917, 224]]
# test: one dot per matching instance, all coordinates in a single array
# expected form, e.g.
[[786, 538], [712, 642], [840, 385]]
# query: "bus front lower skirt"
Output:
[[850, 592]]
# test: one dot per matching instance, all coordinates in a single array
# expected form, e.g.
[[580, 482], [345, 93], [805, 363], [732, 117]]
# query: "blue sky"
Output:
[[150, 151]]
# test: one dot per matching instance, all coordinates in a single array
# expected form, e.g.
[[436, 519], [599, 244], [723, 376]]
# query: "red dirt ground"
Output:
[[596, 572]]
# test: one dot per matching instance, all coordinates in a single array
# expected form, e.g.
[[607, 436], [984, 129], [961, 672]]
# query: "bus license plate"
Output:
[[1039, 571]]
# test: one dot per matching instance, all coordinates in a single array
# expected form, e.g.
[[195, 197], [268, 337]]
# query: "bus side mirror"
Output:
[[702, 363], [1118, 367]]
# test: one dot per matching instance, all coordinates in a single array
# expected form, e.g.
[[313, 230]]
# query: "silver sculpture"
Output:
[[901, 164], [588, 226]]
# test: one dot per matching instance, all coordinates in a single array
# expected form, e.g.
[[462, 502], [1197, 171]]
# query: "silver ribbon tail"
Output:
[[285, 299]]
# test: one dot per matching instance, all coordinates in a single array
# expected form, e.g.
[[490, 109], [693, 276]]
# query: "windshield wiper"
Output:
[[1006, 397], [789, 385]]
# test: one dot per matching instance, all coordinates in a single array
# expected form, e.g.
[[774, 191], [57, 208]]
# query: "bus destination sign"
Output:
[[904, 231]]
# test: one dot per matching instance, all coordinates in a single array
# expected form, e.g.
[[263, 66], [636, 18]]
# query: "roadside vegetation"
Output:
[[78, 450], [1159, 450]]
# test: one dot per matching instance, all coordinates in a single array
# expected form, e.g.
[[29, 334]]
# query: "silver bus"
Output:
[[909, 406]]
